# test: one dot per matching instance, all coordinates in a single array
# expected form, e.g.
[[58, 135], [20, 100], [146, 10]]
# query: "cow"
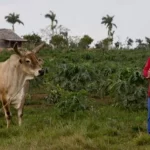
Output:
[[15, 74]]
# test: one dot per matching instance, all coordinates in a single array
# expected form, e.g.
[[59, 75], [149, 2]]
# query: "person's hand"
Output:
[[148, 76]]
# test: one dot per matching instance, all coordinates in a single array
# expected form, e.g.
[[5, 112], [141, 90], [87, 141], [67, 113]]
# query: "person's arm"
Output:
[[146, 70]]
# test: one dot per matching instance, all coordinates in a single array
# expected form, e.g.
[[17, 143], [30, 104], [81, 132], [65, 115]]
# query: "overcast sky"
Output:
[[81, 16]]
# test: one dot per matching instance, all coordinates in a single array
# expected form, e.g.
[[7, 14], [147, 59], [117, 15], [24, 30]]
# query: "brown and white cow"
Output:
[[15, 74]]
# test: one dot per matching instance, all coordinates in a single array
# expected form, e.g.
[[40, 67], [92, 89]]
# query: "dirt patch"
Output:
[[103, 101], [38, 96]]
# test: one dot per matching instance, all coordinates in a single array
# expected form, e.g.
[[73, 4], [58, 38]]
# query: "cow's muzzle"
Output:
[[41, 72]]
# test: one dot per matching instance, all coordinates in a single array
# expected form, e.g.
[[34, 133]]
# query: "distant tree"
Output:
[[108, 21], [46, 34], [147, 41], [104, 44], [85, 41], [33, 38], [73, 41], [129, 42], [58, 41], [54, 22], [63, 31], [139, 42], [13, 18], [117, 45], [99, 45], [141, 45], [64, 34]]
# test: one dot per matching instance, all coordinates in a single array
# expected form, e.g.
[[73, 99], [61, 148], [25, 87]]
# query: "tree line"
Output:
[[57, 35]]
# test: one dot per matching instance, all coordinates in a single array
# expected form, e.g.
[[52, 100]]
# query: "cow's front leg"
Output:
[[20, 114], [6, 108], [22, 101]]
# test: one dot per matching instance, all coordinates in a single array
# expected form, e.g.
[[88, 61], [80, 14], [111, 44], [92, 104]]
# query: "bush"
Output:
[[73, 77], [128, 89], [54, 94], [72, 103]]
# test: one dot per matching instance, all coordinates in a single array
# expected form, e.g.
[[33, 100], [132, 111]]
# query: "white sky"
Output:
[[81, 16]]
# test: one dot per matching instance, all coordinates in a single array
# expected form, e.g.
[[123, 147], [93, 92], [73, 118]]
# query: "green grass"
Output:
[[101, 127], [106, 128]]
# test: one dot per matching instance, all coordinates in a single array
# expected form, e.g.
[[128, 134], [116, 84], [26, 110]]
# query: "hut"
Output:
[[8, 38]]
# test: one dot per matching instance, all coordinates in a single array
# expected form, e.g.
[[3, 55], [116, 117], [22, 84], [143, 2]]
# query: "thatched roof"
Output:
[[9, 35]]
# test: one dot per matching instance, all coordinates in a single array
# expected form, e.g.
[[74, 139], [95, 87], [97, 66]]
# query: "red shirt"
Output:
[[145, 73]]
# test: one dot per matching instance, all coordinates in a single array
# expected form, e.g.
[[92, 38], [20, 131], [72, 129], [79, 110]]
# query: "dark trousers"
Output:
[[148, 122]]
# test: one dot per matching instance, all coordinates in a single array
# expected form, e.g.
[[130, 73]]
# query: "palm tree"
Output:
[[108, 21], [52, 17], [13, 18]]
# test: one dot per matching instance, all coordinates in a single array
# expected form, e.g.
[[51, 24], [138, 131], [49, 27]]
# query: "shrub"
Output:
[[128, 89], [54, 94], [73, 77], [72, 103]]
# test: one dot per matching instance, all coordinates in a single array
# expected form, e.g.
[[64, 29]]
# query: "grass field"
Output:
[[106, 128], [102, 126]]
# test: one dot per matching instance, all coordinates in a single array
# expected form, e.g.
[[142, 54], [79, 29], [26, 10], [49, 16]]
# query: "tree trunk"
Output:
[[52, 28], [110, 37], [13, 28]]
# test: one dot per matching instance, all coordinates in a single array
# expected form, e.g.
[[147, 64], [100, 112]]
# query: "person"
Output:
[[146, 74]]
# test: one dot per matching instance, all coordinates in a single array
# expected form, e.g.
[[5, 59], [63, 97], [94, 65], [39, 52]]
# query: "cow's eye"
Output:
[[39, 59], [28, 61]]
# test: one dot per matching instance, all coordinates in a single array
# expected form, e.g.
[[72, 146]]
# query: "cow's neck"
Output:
[[18, 77], [21, 75]]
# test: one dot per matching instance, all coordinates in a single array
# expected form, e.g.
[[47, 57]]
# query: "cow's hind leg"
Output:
[[6, 108]]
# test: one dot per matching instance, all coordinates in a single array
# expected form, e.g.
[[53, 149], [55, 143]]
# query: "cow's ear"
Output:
[[36, 49], [16, 49], [20, 61]]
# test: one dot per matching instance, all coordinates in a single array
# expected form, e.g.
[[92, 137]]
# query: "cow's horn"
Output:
[[16, 49], [36, 49]]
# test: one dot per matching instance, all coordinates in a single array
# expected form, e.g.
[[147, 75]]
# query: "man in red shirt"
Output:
[[146, 73]]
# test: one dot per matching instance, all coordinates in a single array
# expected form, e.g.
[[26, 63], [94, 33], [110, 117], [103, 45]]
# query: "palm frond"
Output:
[[20, 22], [56, 21], [114, 25], [47, 16]]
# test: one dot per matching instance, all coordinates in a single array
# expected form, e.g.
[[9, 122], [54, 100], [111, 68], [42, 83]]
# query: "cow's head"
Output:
[[29, 62]]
